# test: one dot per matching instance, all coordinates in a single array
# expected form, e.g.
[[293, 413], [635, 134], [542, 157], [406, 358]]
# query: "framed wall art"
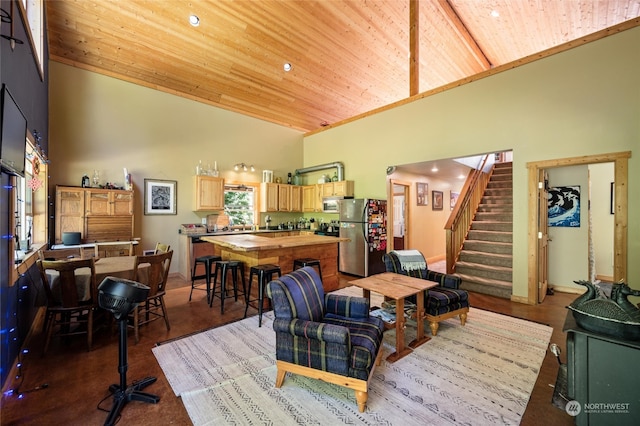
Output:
[[160, 197], [563, 206], [422, 194], [453, 199], [437, 200]]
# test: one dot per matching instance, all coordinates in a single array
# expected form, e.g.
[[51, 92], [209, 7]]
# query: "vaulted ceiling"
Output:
[[347, 57]]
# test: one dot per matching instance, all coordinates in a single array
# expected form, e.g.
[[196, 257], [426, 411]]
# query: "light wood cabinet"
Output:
[[295, 199], [280, 197], [108, 202], [342, 188], [309, 198], [209, 193], [312, 195], [98, 214], [269, 197], [69, 211]]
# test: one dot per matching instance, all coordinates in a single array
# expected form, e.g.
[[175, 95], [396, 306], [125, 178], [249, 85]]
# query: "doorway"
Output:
[[399, 217], [536, 239]]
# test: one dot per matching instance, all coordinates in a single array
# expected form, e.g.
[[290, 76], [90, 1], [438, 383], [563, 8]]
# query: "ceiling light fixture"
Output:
[[194, 20], [243, 167], [434, 169], [287, 66], [495, 13]]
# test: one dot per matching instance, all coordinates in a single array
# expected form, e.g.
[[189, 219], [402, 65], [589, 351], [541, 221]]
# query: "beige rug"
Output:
[[482, 373]]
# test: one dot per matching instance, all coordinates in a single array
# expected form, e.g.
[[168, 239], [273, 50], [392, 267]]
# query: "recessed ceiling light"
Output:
[[194, 20], [495, 13], [287, 66], [434, 169]]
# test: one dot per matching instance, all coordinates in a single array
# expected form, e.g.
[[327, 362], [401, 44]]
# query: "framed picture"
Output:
[[422, 194], [437, 200], [563, 206], [453, 199], [160, 196]]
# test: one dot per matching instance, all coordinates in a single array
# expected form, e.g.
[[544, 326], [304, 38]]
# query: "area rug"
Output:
[[479, 374]]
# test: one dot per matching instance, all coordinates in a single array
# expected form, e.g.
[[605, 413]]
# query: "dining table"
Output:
[[118, 266]]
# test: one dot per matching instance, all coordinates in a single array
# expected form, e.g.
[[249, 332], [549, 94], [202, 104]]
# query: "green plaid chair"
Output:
[[327, 337], [441, 302]]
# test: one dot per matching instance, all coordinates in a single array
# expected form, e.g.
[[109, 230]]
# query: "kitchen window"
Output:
[[240, 204]]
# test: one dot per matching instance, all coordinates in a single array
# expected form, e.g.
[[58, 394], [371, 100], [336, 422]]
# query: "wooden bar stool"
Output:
[[222, 267], [208, 262], [307, 261], [264, 273]]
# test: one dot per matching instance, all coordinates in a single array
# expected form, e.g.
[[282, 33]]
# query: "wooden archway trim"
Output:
[[621, 220]]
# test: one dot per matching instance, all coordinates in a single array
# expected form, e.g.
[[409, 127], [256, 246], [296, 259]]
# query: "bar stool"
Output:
[[208, 262], [222, 267], [307, 261], [264, 273]]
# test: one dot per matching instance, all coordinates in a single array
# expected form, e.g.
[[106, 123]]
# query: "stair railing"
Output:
[[461, 218]]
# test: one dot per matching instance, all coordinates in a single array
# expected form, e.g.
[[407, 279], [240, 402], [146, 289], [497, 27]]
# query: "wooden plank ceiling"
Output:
[[347, 57]]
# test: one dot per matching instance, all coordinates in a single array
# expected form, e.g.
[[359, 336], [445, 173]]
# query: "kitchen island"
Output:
[[255, 250]]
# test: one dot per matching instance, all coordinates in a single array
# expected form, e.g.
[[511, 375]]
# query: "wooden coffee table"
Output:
[[398, 287]]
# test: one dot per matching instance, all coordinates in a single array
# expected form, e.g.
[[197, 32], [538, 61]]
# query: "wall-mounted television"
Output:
[[14, 134]]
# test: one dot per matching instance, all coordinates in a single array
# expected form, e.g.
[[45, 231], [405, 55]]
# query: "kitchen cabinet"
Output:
[[269, 197], [98, 214], [343, 188], [280, 197], [312, 195], [69, 211], [309, 198], [209, 193]]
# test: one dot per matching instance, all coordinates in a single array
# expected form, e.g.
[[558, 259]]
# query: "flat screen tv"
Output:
[[14, 135]]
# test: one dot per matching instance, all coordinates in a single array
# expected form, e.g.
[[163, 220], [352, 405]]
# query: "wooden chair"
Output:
[[162, 248], [155, 276], [60, 254], [65, 310], [112, 250]]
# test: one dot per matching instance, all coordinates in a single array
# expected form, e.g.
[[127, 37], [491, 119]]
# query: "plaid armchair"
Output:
[[441, 302], [327, 337]]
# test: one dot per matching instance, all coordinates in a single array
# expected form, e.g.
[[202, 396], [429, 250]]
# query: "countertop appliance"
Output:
[[364, 222]]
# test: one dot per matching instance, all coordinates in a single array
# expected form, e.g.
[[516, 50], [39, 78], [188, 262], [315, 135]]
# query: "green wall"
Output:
[[584, 101]]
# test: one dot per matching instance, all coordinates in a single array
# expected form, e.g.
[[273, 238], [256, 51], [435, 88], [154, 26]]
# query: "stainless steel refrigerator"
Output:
[[364, 222]]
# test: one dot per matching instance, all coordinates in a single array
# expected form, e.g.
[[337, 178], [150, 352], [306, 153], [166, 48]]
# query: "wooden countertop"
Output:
[[248, 242]]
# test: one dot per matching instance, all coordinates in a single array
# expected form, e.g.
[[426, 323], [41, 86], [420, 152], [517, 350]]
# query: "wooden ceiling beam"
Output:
[[464, 34], [414, 47]]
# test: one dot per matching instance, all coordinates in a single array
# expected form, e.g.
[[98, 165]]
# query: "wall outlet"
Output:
[[204, 220]]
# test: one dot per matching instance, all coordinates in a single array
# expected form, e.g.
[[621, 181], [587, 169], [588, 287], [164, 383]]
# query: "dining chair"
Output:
[[60, 254], [162, 248], [155, 277], [111, 249], [66, 311]]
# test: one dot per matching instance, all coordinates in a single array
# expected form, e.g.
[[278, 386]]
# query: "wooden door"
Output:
[[543, 235], [296, 198], [284, 198]]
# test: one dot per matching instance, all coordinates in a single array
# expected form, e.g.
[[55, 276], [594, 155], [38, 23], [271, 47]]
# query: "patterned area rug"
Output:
[[482, 373]]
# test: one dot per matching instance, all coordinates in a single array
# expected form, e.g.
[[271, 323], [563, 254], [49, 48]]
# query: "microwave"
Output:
[[332, 204]]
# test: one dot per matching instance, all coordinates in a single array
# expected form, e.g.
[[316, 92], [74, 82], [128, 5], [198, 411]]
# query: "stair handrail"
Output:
[[463, 213]]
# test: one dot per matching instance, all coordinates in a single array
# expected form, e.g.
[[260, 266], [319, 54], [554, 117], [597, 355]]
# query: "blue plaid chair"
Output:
[[327, 337], [441, 302]]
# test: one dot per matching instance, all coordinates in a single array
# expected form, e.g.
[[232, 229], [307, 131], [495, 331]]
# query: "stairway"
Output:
[[485, 262]]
